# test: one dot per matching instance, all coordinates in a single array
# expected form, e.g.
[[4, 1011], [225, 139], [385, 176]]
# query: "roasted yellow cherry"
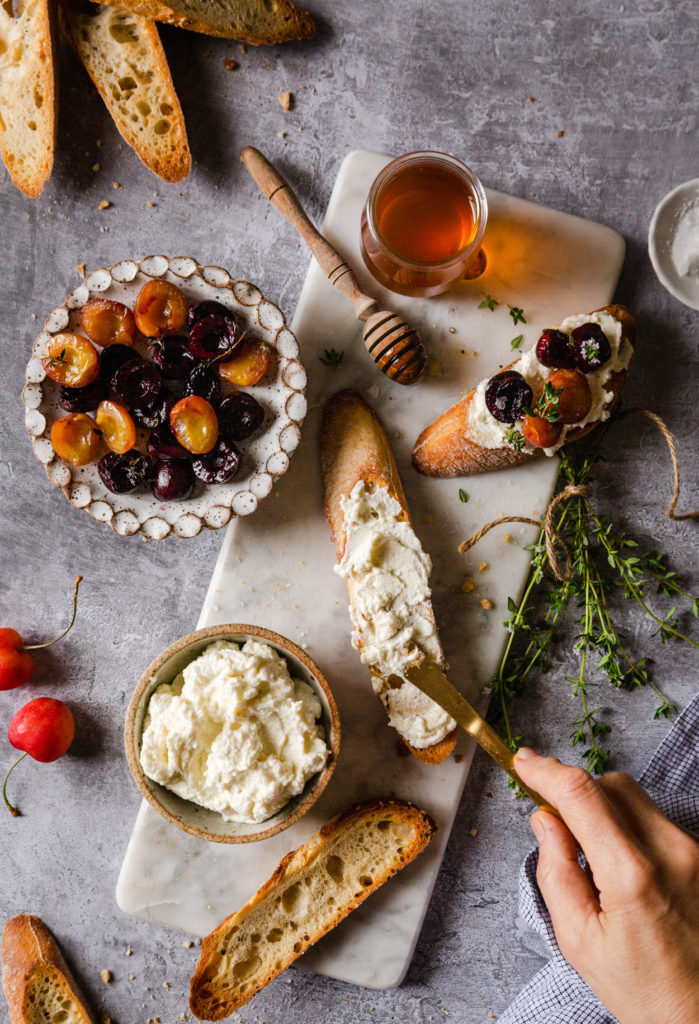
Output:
[[108, 323], [194, 424], [75, 439], [117, 427], [540, 432], [249, 364], [160, 309], [71, 360], [575, 400]]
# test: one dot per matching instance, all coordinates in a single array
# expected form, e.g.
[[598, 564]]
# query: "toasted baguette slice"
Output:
[[37, 983], [444, 448], [312, 890], [28, 94], [125, 59], [251, 21], [354, 447]]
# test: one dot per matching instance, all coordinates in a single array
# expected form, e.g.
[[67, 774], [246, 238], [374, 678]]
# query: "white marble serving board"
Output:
[[276, 567]]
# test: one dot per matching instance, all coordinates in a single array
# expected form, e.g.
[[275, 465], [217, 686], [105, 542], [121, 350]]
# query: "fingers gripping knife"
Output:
[[392, 343]]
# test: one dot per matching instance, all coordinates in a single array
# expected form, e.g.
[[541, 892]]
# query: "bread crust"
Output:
[[354, 447], [27, 947], [206, 1007], [298, 23], [444, 450], [176, 165]]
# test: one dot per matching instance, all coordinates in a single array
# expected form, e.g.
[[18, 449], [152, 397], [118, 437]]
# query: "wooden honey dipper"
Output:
[[392, 343]]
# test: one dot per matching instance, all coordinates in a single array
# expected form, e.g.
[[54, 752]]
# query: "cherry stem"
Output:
[[35, 647], [13, 810]]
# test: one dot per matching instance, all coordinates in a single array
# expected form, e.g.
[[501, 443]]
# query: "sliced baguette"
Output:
[[312, 890], [37, 983], [124, 57], [354, 447], [28, 93], [444, 448], [251, 21]]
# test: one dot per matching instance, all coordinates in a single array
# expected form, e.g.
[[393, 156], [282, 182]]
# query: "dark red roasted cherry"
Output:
[[82, 399], [239, 416], [219, 465], [205, 382], [554, 349], [592, 348], [213, 336], [506, 395], [207, 308], [162, 444], [172, 357], [136, 383], [123, 473], [151, 413], [173, 480], [114, 357]]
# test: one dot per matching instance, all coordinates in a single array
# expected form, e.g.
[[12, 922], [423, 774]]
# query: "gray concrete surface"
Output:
[[616, 79]]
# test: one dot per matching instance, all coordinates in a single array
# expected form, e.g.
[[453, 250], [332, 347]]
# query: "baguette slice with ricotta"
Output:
[[312, 890], [37, 983], [446, 449], [125, 59], [251, 21], [354, 448], [28, 94]]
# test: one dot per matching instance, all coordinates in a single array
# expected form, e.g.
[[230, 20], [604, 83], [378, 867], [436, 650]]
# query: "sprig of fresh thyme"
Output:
[[547, 406], [331, 357]]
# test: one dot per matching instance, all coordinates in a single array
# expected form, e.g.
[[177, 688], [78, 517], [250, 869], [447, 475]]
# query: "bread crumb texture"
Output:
[[48, 999], [311, 891]]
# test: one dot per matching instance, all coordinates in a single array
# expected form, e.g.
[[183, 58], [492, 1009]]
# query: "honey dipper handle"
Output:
[[281, 195]]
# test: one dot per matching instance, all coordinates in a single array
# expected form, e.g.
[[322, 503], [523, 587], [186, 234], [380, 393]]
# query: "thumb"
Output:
[[564, 885]]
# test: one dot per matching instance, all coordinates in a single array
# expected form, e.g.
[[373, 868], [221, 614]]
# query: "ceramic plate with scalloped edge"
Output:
[[266, 455]]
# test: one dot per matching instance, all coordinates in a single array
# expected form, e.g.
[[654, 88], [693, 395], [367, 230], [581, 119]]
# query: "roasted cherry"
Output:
[[172, 357], [213, 336], [592, 348], [162, 444], [575, 400], [117, 427], [194, 424], [173, 480], [207, 308], [541, 432], [114, 357], [220, 465], [160, 309], [205, 382], [137, 382], [554, 349], [82, 399], [506, 395], [239, 416], [123, 473], [249, 364], [75, 439], [71, 360], [107, 322], [152, 413]]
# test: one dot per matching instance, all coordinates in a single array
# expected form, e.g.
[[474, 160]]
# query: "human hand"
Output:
[[629, 925]]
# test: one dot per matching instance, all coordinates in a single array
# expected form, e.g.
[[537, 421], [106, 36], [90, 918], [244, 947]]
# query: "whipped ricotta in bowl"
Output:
[[234, 732]]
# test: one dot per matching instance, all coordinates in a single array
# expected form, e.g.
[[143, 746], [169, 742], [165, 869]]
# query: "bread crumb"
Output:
[[483, 566], [286, 99], [188, 944], [452, 330], [81, 270], [487, 604], [230, 64], [115, 184], [532, 99], [106, 976], [104, 205], [34, 317], [507, 537], [281, 135], [129, 951], [166, 984], [95, 167], [132, 977], [467, 586], [150, 203], [560, 134], [473, 831]]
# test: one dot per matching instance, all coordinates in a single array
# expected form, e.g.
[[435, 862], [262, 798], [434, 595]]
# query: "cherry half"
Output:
[[44, 728]]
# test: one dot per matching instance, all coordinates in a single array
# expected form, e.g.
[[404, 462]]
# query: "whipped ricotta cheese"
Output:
[[234, 732], [490, 433], [388, 573]]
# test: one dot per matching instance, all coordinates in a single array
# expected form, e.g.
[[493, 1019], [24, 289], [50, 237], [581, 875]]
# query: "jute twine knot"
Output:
[[553, 538]]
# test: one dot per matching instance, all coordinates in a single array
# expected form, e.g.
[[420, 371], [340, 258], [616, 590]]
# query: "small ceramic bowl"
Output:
[[667, 220], [190, 817]]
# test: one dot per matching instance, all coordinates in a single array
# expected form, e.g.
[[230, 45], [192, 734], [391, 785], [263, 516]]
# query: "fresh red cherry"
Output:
[[16, 664], [44, 728]]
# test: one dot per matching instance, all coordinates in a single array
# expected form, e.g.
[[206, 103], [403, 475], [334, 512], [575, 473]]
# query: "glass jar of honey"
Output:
[[422, 224]]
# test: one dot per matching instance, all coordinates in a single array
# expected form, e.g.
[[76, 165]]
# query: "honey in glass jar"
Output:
[[423, 223]]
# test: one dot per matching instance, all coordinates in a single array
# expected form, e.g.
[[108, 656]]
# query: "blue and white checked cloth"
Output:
[[557, 994]]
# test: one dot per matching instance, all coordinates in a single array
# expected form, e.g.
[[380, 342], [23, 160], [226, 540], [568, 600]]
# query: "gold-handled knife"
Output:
[[429, 678]]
